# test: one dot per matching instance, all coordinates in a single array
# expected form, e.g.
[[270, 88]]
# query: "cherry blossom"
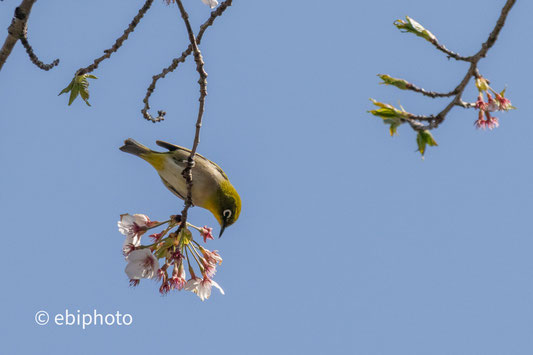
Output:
[[211, 3], [206, 233], [177, 281], [141, 264]]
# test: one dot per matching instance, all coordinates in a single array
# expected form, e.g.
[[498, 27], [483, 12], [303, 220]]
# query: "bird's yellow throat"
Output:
[[157, 160]]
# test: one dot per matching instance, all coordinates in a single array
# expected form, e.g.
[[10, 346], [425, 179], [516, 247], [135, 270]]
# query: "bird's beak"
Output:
[[222, 229]]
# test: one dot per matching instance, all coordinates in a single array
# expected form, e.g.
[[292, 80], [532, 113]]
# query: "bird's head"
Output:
[[225, 205]]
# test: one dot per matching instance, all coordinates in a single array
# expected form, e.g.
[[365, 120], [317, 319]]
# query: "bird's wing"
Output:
[[171, 188], [172, 147]]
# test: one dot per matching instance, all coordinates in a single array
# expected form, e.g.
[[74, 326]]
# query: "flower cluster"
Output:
[[497, 103], [176, 249]]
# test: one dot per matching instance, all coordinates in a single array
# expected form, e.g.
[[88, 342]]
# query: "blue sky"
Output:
[[347, 243]]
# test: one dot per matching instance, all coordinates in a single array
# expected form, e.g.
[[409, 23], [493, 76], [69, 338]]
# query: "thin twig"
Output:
[[118, 43], [202, 81], [415, 121], [33, 57], [465, 104], [432, 94], [450, 53], [422, 117], [175, 62]]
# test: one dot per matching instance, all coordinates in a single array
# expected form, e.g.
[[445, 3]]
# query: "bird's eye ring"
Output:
[[227, 214]]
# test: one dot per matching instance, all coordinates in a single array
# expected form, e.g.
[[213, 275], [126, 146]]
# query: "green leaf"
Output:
[[399, 83], [84, 94], [414, 27], [482, 84], [79, 86], [387, 111], [185, 236], [161, 252], [390, 115], [68, 88], [393, 128], [424, 138], [74, 93]]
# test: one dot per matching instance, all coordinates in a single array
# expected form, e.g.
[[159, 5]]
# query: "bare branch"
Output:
[[429, 118], [450, 53], [18, 31], [175, 62], [33, 57], [415, 123], [459, 89], [432, 94], [202, 81], [119, 41], [464, 104], [495, 32]]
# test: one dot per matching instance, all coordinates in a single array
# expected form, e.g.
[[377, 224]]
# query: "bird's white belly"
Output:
[[174, 181]]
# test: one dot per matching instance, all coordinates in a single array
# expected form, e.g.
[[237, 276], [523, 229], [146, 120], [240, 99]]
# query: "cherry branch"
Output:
[[119, 41], [474, 60], [175, 62], [18, 30], [79, 86], [33, 57], [202, 81], [396, 117]]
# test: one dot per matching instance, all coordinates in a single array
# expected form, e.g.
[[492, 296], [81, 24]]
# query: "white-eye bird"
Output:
[[211, 187]]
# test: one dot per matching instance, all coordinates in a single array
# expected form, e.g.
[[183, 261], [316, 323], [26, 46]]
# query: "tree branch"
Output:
[[175, 62], [33, 57], [448, 52], [474, 60], [435, 120], [18, 31], [202, 81], [119, 41], [431, 94]]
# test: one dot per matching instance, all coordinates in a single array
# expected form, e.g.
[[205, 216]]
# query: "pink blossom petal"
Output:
[[211, 3], [141, 264]]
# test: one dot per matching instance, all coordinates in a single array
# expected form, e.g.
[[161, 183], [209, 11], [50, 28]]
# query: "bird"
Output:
[[211, 187]]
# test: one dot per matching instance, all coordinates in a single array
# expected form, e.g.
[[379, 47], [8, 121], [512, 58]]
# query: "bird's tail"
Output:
[[133, 147]]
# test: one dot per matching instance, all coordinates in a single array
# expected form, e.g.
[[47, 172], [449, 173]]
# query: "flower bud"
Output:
[[414, 27]]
